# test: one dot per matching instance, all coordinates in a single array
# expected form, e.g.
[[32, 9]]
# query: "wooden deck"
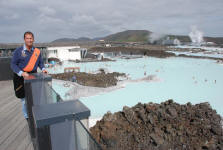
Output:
[[14, 132]]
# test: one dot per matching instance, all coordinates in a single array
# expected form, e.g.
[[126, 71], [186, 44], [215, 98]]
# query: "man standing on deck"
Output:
[[26, 59]]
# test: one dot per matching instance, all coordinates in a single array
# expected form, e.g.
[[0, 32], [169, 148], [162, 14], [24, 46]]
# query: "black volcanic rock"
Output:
[[160, 127], [159, 53], [101, 79]]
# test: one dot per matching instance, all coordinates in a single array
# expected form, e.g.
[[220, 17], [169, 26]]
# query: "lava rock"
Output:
[[160, 126], [101, 79]]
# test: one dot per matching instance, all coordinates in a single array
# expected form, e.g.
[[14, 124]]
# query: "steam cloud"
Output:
[[196, 36], [155, 37]]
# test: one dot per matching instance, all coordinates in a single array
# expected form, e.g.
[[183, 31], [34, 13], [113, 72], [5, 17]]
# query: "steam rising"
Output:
[[196, 36], [155, 37]]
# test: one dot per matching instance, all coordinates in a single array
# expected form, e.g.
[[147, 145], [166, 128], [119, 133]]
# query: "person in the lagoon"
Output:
[[26, 59], [74, 79]]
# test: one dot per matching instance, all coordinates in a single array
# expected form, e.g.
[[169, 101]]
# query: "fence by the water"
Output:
[[56, 124]]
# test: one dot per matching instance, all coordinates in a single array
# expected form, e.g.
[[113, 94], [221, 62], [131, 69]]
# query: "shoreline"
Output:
[[77, 91], [99, 79], [158, 53]]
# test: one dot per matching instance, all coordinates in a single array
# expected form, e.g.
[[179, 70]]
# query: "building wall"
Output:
[[74, 55], [63, 53], [52, 53]]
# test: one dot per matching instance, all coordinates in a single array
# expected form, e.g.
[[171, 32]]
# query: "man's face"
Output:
[[29, 40]]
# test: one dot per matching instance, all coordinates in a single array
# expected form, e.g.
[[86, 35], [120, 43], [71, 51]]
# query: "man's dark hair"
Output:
[[28, 32]]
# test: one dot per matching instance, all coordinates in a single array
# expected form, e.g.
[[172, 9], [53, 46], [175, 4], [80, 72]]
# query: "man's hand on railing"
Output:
[[25, 74], [45, 71]]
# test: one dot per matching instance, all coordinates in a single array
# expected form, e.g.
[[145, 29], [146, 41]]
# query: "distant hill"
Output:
[[137, 36], [70, 40], [129, 36], [125, 36], [145, 36], [63, 40], [82, 39], [142, 36], [217, 40]]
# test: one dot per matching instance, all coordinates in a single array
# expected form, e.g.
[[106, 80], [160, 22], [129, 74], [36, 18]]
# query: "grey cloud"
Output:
[[67, 18]]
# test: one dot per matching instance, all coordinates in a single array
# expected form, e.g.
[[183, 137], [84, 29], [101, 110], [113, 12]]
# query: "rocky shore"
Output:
[[134, 51], [101, 79], [168, 125], [159, 52], [85, 60]]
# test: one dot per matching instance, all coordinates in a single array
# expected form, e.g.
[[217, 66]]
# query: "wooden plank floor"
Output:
[[14, 132]]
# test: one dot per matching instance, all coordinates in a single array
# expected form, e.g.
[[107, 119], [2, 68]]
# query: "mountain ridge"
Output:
[[137, 36]]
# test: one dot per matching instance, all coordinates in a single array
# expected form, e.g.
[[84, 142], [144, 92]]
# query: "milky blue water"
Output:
[[182, 79]]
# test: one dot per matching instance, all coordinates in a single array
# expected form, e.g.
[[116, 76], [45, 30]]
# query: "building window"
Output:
[[54, 51], [73, 50]]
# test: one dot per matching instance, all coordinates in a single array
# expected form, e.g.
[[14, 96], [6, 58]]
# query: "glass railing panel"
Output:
[[84, 139], [63, 136], [43, 93], [52, 95]]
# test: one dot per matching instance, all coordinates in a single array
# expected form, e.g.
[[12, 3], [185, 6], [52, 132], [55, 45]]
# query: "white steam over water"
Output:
[[196, 36], [155, 37]]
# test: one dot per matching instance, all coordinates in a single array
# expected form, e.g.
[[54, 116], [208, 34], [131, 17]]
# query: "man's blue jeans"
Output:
[[24, 108]]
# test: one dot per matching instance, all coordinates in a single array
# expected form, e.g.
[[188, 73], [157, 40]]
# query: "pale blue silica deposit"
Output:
[[182, 79]]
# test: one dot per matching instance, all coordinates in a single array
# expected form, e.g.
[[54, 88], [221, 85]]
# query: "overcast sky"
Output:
[[52, 19]]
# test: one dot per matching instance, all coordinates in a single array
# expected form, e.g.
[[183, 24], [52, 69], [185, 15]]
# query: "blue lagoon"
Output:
[[181, 79]]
